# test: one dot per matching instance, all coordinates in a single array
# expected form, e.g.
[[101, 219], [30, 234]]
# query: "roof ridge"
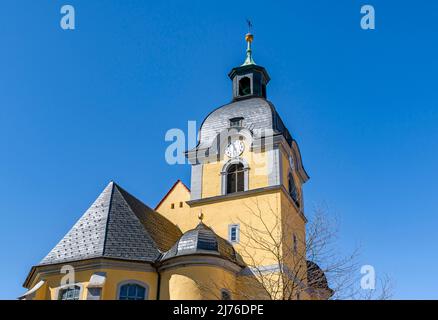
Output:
[[117, 225], [163, 232], [113, 185], [122, 191], [70, 246], [124, 218]]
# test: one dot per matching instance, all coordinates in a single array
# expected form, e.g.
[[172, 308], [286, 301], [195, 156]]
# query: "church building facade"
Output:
[[238, 232]]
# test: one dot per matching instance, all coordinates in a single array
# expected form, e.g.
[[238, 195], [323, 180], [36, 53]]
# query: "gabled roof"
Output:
[[170, 191], [118, 226]]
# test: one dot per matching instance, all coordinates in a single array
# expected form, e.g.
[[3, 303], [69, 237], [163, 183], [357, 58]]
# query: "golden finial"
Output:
[[249, 37], [200, 216]]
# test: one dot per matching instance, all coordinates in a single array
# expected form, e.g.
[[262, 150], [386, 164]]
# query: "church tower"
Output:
[[247, 171]]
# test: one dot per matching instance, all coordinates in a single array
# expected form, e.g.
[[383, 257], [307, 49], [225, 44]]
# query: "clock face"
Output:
[[235, 149]]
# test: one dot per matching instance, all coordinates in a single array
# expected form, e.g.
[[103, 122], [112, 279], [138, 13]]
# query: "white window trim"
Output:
[[225, 171], [230, 227]]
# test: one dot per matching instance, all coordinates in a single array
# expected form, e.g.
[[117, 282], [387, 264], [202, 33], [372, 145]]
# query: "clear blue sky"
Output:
[[79, 108]]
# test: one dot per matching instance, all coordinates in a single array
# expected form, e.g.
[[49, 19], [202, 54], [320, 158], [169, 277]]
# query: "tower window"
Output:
[[295, 243], [293, 191], [235, 178], [236, 122], [180, 204], [244, 86], [234, 233], [172, 206]]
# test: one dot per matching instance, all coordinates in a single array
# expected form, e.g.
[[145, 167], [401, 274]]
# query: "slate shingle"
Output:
[[117, 225]]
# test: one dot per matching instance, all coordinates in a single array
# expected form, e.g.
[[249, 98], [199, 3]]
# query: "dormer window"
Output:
[[244, 86], [236, 122]]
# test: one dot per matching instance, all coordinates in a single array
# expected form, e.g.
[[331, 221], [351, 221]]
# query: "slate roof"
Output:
[[203, 240], [119, 226], [259, 114]]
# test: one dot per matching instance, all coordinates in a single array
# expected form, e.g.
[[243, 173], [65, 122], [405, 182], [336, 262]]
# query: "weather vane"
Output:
[[249, 38], [248, 22]]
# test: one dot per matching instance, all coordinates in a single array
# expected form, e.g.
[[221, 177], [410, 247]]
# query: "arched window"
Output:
[[225, 294], [293, 191], [70, 293], [132, 291], [235, 178], [244, 86]]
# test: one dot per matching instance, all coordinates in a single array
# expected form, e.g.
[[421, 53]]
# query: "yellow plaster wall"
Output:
[[258, 178], [181, 217], [196, 283], [113, 277], [243, 210], [285, 172]]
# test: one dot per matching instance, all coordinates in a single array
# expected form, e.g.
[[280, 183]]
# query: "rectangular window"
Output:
[[234, 233], [295, 244], [236, 122]]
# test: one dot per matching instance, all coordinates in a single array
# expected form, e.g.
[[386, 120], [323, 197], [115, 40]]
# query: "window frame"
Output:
[[132, 282], [238, 185], [224, 175], [60, 289], [236, 227], [236, 122], [240, 88], [294, 243]]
